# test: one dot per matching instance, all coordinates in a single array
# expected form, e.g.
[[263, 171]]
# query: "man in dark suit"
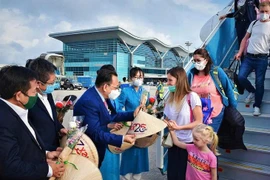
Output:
[[22, 153], [96, 106], [43, 115]]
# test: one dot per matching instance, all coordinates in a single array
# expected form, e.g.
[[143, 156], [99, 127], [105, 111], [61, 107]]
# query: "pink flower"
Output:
[[209, 121], [69, 103], [205, 108]]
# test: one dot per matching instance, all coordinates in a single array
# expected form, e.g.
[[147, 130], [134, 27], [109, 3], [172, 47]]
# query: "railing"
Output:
[[218, 46]]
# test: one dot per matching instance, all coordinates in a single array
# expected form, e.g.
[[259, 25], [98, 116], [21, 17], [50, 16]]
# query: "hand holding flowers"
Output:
[[61, 108], [150, 107]]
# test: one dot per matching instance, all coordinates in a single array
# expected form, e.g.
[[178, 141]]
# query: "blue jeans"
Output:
[[216, 121], [259, 64]]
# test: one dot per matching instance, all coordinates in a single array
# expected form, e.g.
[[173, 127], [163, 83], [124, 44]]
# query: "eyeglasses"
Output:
[[44, 84], [197, 60]]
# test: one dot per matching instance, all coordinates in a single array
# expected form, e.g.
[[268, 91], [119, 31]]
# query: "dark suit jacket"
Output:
[[21, 157], [98, 117], [250, 13], [46, 127]]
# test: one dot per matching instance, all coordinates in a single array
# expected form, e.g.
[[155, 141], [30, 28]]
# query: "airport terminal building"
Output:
[[86, 51]]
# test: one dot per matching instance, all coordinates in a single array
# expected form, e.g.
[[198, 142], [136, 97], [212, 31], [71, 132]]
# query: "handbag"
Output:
[[232, 74], [231, 130], [167, 141]]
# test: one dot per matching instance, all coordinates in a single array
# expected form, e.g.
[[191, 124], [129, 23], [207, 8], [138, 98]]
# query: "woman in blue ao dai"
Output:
[[134, 160]]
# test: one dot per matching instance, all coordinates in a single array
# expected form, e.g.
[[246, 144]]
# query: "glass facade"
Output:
[[84, 58], [171, 59], [147, 56]]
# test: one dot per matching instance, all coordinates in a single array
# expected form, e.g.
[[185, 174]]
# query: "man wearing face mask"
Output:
[[96, 106], [22, 150], [256, 58], [43, 115], [134, 160], [244, 13]]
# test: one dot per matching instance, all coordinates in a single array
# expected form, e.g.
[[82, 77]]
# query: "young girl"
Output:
[[202, 162]]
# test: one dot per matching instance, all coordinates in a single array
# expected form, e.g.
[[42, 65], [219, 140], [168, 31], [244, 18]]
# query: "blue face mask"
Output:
[[171, 88], [49, 89]]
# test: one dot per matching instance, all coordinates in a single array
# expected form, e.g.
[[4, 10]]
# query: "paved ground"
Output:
[[154, 173]]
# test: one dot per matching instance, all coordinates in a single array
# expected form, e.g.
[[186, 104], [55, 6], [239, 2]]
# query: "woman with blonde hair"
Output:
[[202, 161], [182, 117]]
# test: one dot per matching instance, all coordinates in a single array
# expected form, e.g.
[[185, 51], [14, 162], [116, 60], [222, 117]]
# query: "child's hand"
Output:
[[168, 125], [173, 125]]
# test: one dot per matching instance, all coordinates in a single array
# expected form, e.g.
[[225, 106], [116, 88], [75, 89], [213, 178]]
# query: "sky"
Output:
[[25, 24]]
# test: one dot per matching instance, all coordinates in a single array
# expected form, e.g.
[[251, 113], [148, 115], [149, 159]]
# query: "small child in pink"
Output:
[[202, 162]]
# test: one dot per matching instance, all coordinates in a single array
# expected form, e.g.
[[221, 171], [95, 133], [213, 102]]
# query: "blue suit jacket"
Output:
[[98, 117], [47, 128], [21, 157]]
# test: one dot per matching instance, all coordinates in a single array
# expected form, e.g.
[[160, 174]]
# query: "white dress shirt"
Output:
[[23, 114], [45, 101]]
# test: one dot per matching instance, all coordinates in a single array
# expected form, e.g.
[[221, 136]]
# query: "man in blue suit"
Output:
[[22, 152], [96, 106], [43, 115]]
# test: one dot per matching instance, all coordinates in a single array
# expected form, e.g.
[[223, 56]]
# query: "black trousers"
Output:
[[241, 29], [177, 163]]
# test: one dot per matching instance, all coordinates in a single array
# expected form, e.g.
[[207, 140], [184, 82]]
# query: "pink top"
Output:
[[199, 163], [205, 87]]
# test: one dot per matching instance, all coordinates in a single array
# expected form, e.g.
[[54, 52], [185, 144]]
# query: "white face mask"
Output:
[[264, 16], [114, 94], [137, 82], [200, 65]]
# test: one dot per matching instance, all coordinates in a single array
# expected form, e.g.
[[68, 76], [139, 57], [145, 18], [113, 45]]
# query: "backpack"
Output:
[[232, 127], [206, 109], [235, 91], [206, 102]]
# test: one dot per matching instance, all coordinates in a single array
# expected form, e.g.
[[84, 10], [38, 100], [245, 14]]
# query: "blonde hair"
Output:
[[181, 87], [208, 135], [265, 3]]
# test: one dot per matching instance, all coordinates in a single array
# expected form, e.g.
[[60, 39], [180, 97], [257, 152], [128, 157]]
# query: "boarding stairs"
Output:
[[254, 163]]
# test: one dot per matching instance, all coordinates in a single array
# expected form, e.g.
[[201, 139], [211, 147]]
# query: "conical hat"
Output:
[[146, 125], [117, 150], [85, 147], [123, 131], [146, 141], [125, 145], [85, 169]]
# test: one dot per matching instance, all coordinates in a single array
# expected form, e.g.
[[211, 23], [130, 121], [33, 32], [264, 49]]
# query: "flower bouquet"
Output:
[[74, 135], [62, 108], [144, 97], [150, 107], [160, 106]]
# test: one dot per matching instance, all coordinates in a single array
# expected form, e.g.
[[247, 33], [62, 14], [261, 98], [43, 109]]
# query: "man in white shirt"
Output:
[[256, 58], [43, 115], [22, 153]]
